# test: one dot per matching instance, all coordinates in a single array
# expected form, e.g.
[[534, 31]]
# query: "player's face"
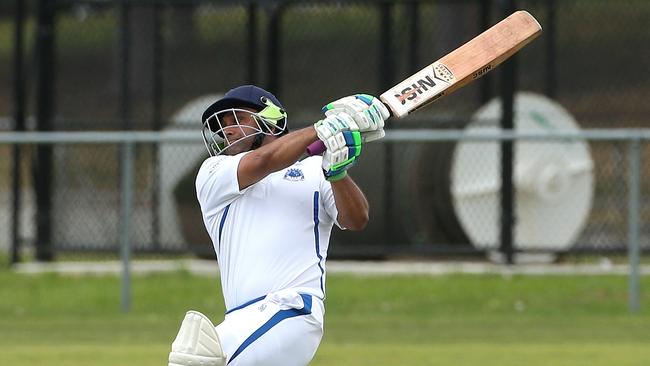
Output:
[[239, 130]]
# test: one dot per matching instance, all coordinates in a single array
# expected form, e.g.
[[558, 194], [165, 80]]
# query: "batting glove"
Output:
[[343, 156], [342, 139], [368, 112], [328, 128]]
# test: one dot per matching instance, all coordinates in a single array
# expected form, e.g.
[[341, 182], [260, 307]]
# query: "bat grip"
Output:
[[316, 148]]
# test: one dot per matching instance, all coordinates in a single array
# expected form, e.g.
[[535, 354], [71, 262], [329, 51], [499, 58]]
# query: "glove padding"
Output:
[[341, 156], [342, 140], [368, 113], [328, 128]]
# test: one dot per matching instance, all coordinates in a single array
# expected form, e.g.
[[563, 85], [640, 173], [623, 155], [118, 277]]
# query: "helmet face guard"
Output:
[[271, 121]]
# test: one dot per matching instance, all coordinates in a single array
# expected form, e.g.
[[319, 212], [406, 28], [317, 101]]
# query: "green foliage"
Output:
[[418, 320]]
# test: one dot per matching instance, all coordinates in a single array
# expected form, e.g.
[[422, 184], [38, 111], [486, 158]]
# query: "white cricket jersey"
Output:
[[272, 235]]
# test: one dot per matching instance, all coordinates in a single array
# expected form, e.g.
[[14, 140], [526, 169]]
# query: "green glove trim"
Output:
[[356, 135], [344, 163]]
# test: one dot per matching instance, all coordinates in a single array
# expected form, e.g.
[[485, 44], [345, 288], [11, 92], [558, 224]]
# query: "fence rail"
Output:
[[394, 135]]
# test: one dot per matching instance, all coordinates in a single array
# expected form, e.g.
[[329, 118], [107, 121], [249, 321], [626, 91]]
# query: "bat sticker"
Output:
[[434, 82]]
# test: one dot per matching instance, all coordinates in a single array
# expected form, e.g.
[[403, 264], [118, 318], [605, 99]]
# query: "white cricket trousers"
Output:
[[283, 328]]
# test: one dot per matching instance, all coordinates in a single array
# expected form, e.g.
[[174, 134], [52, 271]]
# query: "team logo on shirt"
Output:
[[294, 175]]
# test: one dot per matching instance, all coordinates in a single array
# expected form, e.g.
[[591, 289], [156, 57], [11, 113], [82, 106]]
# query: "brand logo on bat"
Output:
[[440, 78], [484, 70]]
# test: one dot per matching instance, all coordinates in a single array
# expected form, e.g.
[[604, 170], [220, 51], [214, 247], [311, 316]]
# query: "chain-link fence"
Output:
[[443, 206], [119, 65]]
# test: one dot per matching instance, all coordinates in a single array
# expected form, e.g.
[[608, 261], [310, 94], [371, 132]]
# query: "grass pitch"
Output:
[[392, 320]]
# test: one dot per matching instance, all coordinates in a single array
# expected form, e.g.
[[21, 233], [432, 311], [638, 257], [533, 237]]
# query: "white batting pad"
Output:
[[197, 343]]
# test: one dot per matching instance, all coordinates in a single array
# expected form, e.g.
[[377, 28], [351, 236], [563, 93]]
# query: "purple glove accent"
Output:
[[316, 148]]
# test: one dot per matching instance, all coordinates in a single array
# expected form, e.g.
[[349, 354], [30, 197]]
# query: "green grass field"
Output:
[[401, 320]]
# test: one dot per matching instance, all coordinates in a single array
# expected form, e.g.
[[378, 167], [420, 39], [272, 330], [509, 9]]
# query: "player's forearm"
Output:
[[274, 156], [286, 150], [351, 204]]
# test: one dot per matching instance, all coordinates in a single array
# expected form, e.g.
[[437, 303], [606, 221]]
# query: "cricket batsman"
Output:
[[269, 215]]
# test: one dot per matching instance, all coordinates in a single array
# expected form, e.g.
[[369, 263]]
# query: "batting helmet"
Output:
[[249, 96], [269, 118]]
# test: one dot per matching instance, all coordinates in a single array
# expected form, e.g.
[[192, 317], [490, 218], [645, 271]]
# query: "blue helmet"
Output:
[[270, 117], [250, 96]]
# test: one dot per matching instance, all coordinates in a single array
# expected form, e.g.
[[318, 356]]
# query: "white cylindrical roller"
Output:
[[553, 179]]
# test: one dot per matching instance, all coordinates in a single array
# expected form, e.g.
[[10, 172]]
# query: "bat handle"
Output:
[[316, 148]]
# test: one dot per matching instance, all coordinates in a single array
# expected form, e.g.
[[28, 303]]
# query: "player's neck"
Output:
[[268, 139]]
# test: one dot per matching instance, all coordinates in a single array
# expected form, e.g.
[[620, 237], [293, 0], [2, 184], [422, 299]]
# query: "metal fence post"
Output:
[[42, 167], [126, 208], [251, 44], [125, 65], [508, 205], [634, 196], [126, 154], [157, 123], [413, 18], [550, 71], [386, 76], [274, 49], [19, 125]]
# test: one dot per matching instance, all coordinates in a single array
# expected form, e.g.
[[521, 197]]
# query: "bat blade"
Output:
[[465, 64]]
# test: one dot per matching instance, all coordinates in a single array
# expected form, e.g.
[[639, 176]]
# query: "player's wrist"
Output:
[[337, 177]]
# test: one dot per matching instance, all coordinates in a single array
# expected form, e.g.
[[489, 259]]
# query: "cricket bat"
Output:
[[458, 68]]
